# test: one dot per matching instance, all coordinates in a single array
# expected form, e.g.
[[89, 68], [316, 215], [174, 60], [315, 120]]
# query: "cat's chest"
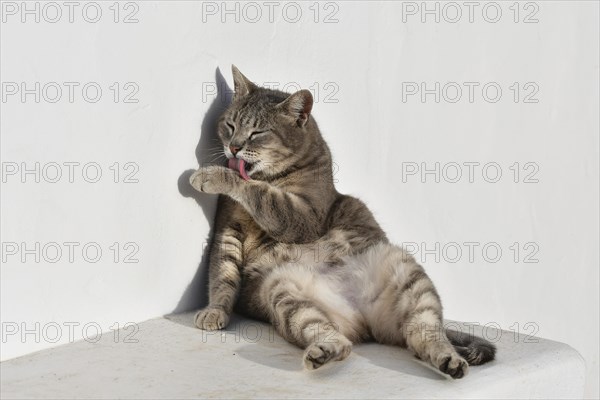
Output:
[[258, 247], [254, 236]]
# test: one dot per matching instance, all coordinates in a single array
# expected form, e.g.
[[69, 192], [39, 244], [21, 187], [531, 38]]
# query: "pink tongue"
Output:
[[239, 165]]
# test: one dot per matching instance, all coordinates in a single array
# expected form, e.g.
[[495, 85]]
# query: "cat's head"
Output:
[[270, 130]]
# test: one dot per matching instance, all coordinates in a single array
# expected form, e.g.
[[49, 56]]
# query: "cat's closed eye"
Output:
[[231, 127], [255, 134]]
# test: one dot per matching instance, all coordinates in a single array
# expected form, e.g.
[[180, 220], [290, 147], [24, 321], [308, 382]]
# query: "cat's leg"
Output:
[[424, 335], [224, 281], [296, 214], [408, 311], [302, 321]]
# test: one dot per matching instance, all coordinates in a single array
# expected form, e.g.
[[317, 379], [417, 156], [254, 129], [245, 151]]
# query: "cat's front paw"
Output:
[[453, 365], [214, 179], [211, 319]]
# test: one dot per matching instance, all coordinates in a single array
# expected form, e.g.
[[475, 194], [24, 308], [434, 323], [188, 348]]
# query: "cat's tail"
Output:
[[474, 349]]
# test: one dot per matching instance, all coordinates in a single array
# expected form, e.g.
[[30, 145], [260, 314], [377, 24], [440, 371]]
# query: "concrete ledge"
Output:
[[172, 359]]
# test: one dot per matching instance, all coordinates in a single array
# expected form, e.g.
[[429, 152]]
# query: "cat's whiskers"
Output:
[[217, 156]]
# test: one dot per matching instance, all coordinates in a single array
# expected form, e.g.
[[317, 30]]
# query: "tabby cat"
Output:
[[291, 250]]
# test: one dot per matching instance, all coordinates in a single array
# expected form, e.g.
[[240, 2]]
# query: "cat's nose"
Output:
[[234, 149]]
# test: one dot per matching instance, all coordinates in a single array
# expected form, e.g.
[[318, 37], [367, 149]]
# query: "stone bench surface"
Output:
[[174, 360]]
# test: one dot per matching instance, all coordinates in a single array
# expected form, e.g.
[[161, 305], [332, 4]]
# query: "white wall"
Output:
[[361, 66]]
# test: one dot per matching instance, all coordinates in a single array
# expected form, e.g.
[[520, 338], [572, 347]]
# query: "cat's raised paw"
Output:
[[213, 179], [211, 319], [318, 354], [453, 365]]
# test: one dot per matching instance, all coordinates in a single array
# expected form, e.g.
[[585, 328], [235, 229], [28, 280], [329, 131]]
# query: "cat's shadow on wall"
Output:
[[195, 295]]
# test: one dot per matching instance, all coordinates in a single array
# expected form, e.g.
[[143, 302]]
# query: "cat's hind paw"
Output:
[[318, 354], [453, 365]]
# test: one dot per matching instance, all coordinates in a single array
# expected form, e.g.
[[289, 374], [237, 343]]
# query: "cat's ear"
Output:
[[241, 84], [298, 105]]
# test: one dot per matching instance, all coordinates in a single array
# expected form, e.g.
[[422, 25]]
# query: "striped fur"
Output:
[[291, 250]]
